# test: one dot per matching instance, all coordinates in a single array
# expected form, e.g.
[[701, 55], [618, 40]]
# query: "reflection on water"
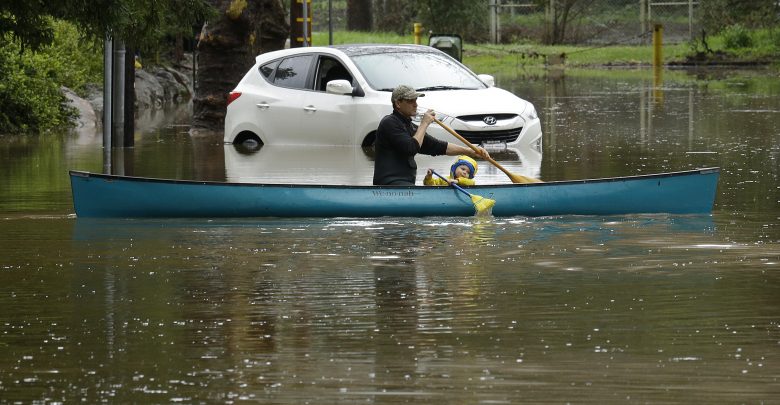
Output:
[[389, 310], [641, 308], [353, 166]]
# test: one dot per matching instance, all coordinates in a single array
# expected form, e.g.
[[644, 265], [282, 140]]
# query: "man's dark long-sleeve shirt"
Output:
[[395, 148]]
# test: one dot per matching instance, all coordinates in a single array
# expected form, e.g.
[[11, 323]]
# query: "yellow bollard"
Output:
[[658, 48], [417, 33]]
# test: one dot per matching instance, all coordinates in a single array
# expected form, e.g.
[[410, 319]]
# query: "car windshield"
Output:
[[423, 71]]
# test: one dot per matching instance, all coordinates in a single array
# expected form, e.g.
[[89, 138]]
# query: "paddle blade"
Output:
[[482, 204], [520, 179]]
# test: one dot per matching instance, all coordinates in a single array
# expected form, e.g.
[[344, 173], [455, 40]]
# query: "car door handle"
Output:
[[310, 108], [262, 106]]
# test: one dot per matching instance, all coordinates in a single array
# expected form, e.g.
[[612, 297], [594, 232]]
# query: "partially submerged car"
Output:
[[337, 95]]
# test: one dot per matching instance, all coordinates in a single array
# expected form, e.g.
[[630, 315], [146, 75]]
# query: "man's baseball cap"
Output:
[[404, 92]]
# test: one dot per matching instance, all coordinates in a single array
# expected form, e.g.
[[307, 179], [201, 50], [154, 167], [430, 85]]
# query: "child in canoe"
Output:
[[461, 172]]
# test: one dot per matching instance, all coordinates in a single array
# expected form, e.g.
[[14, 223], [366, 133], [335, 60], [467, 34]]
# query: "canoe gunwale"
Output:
[[110, 177]]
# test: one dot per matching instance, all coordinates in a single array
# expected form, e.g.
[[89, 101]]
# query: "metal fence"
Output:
[[592, 21], [681, 19], [585, 22]]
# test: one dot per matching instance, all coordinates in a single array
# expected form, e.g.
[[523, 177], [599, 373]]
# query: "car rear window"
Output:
[[292, 72], [268, 69]]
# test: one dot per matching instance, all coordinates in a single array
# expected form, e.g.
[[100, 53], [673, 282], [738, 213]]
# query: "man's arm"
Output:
[[454, 150], [426, 121]]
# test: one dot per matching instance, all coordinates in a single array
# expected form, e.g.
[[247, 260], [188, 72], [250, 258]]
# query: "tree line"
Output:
[[47, 44], [465, 17], [230, 33]]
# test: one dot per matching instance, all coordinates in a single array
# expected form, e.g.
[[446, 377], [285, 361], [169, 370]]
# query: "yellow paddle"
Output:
[[481, 204], [516, 178]]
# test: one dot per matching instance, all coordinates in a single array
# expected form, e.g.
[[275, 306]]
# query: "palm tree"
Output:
[[227, 47], [359, 15]]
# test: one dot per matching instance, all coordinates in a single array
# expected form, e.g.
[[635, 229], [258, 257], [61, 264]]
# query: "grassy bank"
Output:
[[744, 48], [31, 99]]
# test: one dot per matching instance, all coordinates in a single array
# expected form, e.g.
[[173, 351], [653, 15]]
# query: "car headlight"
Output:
[[531, 113]]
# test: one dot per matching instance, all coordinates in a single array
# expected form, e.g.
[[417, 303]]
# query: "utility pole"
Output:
[[643, 19], [107, 86], [493, 28], [118, 97], [330, 22], [129, 99], [300, 23], [118, 100]]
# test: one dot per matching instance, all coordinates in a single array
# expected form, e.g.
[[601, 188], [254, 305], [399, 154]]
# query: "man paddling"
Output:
[[398, 141]]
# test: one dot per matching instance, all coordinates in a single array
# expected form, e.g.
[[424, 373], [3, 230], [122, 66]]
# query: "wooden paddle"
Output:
[[516, 178], [481, 204]]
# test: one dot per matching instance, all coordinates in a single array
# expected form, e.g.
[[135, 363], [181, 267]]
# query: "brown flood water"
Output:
[[633, 309]]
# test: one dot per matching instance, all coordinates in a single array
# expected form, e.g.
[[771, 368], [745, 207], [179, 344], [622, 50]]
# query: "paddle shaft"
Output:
[[516, 178], [474, 148], [481, 204], [452, 184]]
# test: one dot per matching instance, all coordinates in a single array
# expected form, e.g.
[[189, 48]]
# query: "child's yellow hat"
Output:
[[464, 160]]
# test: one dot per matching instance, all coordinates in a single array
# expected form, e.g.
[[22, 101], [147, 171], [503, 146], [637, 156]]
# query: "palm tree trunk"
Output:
[[359, 15], [227, 48]]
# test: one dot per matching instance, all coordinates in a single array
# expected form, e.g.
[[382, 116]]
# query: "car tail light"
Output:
[[233, 96]]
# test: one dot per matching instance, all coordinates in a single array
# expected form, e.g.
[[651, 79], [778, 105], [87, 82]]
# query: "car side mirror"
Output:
[[342, 87], [488, 79]]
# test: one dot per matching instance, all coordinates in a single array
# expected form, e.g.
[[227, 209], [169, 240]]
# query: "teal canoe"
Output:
[[112, 196]]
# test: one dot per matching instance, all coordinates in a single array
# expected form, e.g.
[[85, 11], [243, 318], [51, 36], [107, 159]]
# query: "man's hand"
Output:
[[479, 153], [430, 174], [427, 118]]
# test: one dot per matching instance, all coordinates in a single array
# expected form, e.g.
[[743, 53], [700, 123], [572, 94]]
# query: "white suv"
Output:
[[337, 95]]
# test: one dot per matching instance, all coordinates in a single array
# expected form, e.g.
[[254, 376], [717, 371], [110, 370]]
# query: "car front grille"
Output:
[[504, 135], [480, 117]]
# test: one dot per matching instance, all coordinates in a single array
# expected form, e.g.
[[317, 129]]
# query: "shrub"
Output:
[[30, 96], [29, 100], [736, 36]]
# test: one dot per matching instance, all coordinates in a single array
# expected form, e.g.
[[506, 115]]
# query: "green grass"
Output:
[[511, 57], [765, 45]]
